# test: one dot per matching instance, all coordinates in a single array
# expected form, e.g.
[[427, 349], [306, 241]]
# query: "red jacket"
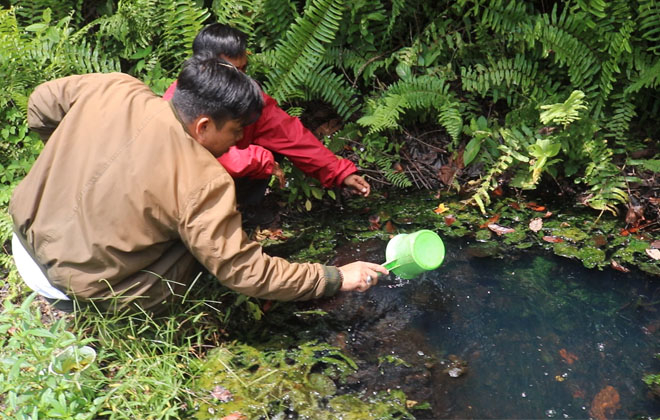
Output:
[[276, 131]]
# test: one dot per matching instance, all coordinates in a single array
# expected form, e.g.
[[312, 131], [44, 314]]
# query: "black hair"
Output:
[[219, 39], [211, 86]]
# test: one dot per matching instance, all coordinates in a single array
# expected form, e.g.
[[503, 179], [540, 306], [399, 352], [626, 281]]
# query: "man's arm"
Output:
[[50, 102], [281, 133]]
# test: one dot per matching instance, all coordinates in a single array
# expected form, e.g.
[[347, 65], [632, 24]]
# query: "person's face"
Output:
[[239, 62], [218, 140]]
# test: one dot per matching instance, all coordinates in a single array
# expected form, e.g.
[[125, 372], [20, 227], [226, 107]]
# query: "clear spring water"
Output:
[[530, 336]]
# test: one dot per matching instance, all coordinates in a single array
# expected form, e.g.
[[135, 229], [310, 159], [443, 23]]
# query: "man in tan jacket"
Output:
[[127, 196]]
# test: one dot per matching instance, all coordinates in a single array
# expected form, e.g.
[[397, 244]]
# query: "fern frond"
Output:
[[505, 17], [565, 112], [239, 13], [272, 22], [304, 47], [424, 93], [333, 89], [507, 78], [618, 123], [398, 179], [649, 23], [182, 21]]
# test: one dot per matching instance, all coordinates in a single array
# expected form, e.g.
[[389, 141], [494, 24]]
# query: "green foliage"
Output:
[[28, 386], [270, 381]]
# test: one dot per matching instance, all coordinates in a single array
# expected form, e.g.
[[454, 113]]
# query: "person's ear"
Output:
[[200, 126]]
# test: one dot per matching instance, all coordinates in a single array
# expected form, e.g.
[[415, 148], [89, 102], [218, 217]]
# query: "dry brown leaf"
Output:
[[617, 266], [450, 219], [536, 224], [605, 403], [653, 253], [655, 244], [500, 230]]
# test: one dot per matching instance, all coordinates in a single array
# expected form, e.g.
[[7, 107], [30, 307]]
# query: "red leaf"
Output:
[[553, 239], [389, 227], [568, 357], [498, 191], [515, 205], [493, 219], [500, 230], [449, 220]]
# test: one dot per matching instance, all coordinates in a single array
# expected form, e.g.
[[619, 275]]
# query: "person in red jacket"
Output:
[[252, 161]]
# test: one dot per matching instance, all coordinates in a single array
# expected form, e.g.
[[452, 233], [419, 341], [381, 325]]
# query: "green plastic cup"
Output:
[[409, 255]]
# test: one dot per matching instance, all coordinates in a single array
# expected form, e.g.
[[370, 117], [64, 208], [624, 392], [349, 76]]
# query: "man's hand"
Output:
[[357, 184], [360, 275], [279, 173]]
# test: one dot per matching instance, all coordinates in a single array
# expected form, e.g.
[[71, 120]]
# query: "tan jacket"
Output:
[[119, 184]]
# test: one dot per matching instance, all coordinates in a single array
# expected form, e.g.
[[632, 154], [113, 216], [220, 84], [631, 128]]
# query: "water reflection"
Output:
[[521, 337]]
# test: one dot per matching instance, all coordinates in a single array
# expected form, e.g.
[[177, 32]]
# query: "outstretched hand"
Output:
[[360, 275], [357, 184], [279, 174]]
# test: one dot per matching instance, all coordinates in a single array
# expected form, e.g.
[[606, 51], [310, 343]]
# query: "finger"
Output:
[[379, 268]]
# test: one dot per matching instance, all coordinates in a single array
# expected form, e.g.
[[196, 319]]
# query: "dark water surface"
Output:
[[531, 336]]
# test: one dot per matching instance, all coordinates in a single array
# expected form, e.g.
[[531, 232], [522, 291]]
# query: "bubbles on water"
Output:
[[601, 347], [550, 413], [420, 353], [455, 372], [524, 395]]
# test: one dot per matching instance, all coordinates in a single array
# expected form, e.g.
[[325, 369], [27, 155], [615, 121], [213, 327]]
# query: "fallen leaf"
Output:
[[553, 239], [222, 394], [624, 232], [397, 168], [655, 244], [617, 266], [498, 191], [605, 403], [634, 215], [547, 214], [568, 357], [559, 378], [532, 205], [515, 206], [374, 222], [441, 208], [411, 403], [446, 174], [389, 227], [600, 240], [653, 253], [449, 220], [536, 224], [327, 129], [493, 219], [500, 230]]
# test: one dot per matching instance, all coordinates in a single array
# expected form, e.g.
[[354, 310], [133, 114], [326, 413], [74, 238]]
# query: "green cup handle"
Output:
[[391, 265]]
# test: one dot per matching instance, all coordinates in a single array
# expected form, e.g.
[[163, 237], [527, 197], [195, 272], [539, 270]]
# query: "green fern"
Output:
[[397, 179], [508, 78], [303, 48], [422, 93], [649, 23], [333, 89], [566, 112]]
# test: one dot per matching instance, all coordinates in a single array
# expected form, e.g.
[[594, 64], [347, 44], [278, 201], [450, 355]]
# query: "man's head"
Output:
[[220, 40], [215, 100]]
